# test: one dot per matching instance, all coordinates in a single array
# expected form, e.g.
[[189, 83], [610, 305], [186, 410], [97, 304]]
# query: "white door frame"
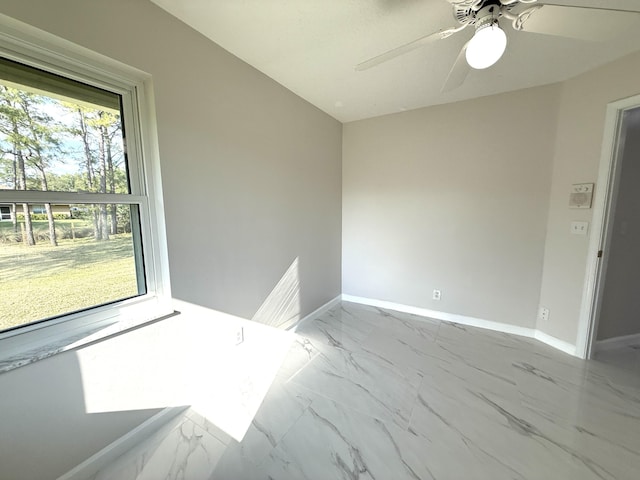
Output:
[[606, 193]]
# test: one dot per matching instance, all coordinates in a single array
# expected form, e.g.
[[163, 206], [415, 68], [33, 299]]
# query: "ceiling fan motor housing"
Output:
[[487, 17], [474, 12]]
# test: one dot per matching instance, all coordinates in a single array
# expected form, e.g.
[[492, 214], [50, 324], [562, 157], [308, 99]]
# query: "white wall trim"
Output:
[[122, 445], [316, 313], [466, 320], [447, 317], [617, 342], [556, 343]]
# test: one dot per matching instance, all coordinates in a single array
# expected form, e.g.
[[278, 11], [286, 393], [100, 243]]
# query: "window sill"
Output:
[[39, 349]]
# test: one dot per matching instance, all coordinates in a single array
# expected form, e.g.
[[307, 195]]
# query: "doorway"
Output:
[[610, 317]]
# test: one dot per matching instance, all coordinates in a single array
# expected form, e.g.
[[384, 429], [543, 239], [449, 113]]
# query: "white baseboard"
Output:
[[447, 317], [466, 320], [616, 342], [120, 446], [556, 343], [316, 313]]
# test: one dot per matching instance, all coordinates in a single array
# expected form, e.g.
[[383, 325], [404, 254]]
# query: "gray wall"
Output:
[[251, 172], [46, 429], [620, 311], [577, 151], [482, 215], [252, 182], [453, 198]]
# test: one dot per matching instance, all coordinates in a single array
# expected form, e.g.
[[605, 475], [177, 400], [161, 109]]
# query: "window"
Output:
[[81, 230]]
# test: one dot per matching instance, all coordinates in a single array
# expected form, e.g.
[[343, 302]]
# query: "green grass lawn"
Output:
[[44, 281]]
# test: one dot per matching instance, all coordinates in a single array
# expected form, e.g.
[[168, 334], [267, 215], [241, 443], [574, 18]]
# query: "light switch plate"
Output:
[[581, 195]]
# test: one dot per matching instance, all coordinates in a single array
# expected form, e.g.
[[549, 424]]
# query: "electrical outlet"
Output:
[[543, 314], [239, 335], [437, 294], [579, 228]]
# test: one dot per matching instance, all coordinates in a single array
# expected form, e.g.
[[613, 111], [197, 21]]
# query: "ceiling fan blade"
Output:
[[577, 22], [408, 47], [458, 72], [587, 7]]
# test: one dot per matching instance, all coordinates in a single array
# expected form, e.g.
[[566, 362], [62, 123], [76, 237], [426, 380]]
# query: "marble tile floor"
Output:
[[628, 357], [371, 394]]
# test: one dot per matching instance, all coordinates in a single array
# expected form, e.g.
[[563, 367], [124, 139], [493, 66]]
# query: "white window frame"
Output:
[[30, 46]]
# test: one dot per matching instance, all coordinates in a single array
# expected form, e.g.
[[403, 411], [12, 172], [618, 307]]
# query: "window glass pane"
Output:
[[55, 141], [96, 260]]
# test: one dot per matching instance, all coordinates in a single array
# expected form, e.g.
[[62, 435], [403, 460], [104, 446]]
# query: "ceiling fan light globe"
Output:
[[486, 47]]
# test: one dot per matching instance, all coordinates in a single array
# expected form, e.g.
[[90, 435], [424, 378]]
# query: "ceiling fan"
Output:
[[489, 40]]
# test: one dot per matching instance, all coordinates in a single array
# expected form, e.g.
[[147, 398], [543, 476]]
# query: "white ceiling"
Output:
[[312, 46]]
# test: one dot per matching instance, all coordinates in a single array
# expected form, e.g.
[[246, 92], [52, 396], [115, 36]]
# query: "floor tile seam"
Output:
[[165, 433], [572, 456], [307, 411], [606, 393], [633, 391], [404, 370], [632, 382], [153, 443], [633, 374], [479, 346], [504, 374], [376, 389], [524, 398], [396, 371], [377, 358], [415, 405], [481, 454], [392, 408], [376, 326], [409, 323], [398, 336], [353, 409], [206, 424], [352, 315], [588, 393], [437, 336], [596, 432], [331, 339], [194, 433], [468, 438], [478, 411], [291, 378], [514, 397], [519, 394], [317, 353], [455, 356], [281, 438], [403, 373], [537, 414], [511, 396]]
